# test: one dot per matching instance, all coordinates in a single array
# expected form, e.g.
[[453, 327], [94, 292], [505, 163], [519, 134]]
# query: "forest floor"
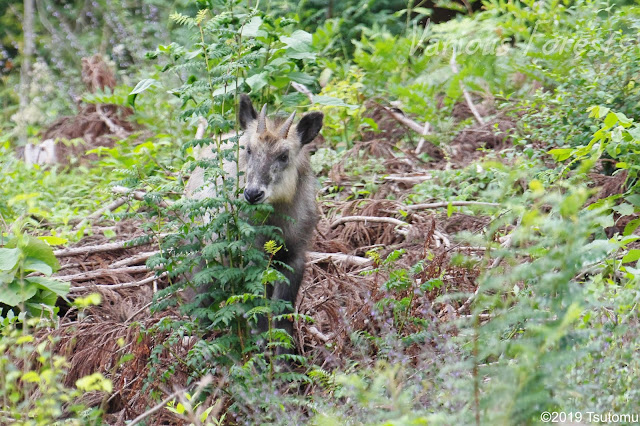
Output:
[[339, 288]]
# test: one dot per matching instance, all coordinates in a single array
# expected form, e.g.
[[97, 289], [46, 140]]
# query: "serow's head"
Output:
[[273, 152]]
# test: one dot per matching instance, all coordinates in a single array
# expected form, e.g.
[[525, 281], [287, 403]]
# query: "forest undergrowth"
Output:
[[475, 260]]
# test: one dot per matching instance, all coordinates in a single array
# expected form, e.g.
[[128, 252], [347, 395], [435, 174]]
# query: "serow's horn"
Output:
[[262, 119], [284, 130]]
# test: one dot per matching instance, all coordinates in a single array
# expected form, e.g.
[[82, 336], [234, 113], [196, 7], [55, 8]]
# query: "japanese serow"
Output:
[[276, 169]]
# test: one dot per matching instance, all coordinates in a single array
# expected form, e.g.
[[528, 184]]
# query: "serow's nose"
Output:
[[253, 195]]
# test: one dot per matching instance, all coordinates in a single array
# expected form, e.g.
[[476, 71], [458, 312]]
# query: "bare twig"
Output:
[[137, 195], [425, 206], [134, 259], [465, 93], [105, 272], [316, 257], [411, 179], [323, 338], [443, 238], [100, 248], [406, 121], [115, 129], [377, 219], [365, 219], [98, 213], [156, 407], [470, 248], [425, 131], [119, 286]]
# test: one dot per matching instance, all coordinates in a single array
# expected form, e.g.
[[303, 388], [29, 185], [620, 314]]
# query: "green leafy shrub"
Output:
[[32, 390], [587, 55], [21, 256], [237, 50]]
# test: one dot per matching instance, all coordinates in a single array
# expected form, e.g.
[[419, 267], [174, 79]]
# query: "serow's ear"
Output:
[[309, 126], [246, 112]]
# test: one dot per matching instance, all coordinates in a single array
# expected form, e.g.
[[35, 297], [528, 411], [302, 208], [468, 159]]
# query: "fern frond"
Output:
[[201, 15], [181, 19]]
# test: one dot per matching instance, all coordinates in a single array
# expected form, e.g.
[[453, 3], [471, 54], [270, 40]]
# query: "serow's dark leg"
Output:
[[289, 292]]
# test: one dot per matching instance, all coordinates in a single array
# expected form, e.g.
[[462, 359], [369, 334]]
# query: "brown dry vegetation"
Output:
[[94, 125]]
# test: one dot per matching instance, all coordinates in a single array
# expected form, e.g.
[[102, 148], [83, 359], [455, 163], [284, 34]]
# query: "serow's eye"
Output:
[[283, 158]]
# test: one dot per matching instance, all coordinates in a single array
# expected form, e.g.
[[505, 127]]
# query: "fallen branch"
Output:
[[443, 238], [137, 195], [323, 338], [105, 272], [470, 248], [415, 179], [425, 206], [337, 257], [100, 248], [115, 129], [465, 93], [365, 219], [378, 219], [403, 119], [118, 286], [98, 213], [134, 259], [425, 131], [199, 387], [159, 406]]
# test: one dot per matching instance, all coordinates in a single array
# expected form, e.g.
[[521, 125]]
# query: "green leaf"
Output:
[[40, 250], [9, 258], [301, 55], [611, 120], [131, 100], [631, 226], [597, 111], [31, 376], [331, 101], [299, 41], [9, 296], [623, 119], [31, 264], [634, 199], [302, 78], [257, 81], [422, 10], [53, 240], [95, 381], [61, 288], [251, 28], [14, 293], [560, 154], [205, 414], [624, 209], [632, 256], [143, 85]]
